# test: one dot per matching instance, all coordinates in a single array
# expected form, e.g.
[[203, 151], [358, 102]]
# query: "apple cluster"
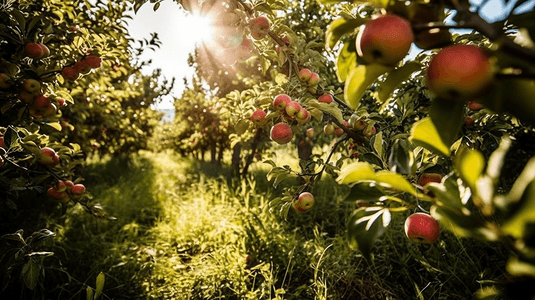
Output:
[[290, 111], [312, 79], [64, 191], [81, 67], [457, 72], [36, 50]]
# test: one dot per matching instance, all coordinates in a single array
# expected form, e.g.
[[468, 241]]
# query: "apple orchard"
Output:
[[313, 154]]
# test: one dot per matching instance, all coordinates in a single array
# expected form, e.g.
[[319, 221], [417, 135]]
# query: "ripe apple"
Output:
[[292, 108], [310, 132], [93, 61], [304, 75], [326, 98], [475, 106], [46, 51], [460, 72], [69, 184], [49, 111], [338, 131], [78, 190], [426, 178], [385, 40], [31, 85], [34, 50], [328, 129], [281, 133], [245, 49], [422, 228], [314, 79], [369, 131], [70, 73], [304, 202], [48, 157], [302, 114], [82, 67], [61, 103], [5, 81], [280, 102], [41, 101], [60, 186], [2, 144], [259, 27], [258, 116], [468, 121]]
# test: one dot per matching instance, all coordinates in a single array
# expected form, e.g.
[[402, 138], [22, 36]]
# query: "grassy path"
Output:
[[185, 232]]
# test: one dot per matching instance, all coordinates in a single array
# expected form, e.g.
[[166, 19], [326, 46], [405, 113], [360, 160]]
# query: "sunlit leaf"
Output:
[[359, 79], [524, 213], [470, 165], [425, 134], [517, 267], [338, 28], [346, 60], [395, 78], [99, 284]]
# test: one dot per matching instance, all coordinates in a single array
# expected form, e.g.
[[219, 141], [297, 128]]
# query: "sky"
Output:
[[178, 33]]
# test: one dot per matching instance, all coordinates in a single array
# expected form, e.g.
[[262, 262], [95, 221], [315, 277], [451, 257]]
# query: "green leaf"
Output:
[[39, 236], [524, 213], [30, 274], [346, 60], [338, 28], [497, 158], [470, 164], [448, 194], [396, 77], [89, 293], [55, 125], [448, 117], [365, 226], [378, 143], [242, 126], [425, 134], [330, 109], [359, 79], [365, 191], [401, 158], [17, 236], [361, 171], [99, 284], [462, 224], [278, 174], [20, 19]]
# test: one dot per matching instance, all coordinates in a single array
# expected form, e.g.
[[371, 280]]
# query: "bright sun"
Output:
[[198, 28]]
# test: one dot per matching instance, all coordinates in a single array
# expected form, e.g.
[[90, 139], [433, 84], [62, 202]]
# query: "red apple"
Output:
[[78, 190], [41, 101], [292, 108], [93, 61], [34, 50], [82, 67], [259, 27], [304, 75], [385, 40], [338, 131], [460, 72], [48, 157], [475, 106], [422, 228], [314, 79], [369, 131], [326, 98], [468, 121], [280, 102], [281, 133], [304, 202], [70, 73], [2, 144], [258, 116], [426, 178]]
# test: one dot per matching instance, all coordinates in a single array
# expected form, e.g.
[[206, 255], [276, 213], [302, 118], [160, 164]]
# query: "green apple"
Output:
[[5, 81], [304, 202]]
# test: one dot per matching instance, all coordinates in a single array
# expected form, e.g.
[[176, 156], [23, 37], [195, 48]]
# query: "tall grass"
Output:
[[186, 230]]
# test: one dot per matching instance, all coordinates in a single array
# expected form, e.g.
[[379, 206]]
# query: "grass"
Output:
[[186, 230]]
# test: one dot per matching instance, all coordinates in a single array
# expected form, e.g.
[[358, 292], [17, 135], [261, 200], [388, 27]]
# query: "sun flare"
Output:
[[200, 28]]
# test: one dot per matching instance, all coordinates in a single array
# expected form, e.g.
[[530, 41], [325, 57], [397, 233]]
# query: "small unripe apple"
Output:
[[475, 106], [369, 131], [385, 40], [31, 86], [5, 81], [328, 129], [326, 98], [422, 228], [34, 50], [292, 108], [304, 75], [468, 121], [82, 67], [304, 202], [338, 131], [302, 114], [258, 116], [281, 133], [70, 73], [313, 89], [61, 103], [41, 101], [314, 79], [460, 72], [259, 27], [426, 178], [46, 51], [93, 61], [280, 102], [310, 132]]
